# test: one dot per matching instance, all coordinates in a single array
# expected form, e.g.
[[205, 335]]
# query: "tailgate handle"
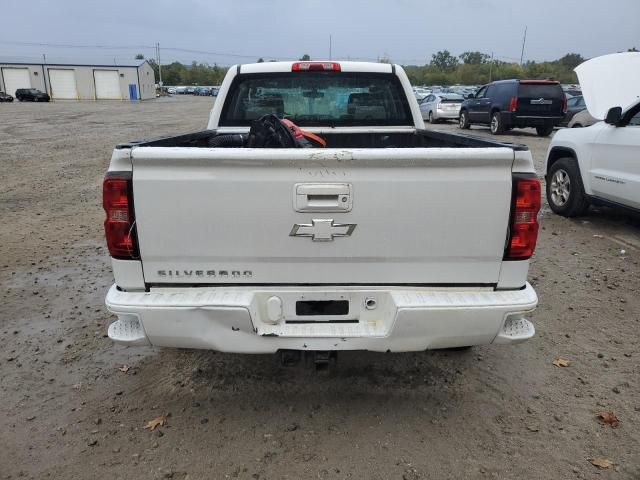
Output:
[[322, 197]]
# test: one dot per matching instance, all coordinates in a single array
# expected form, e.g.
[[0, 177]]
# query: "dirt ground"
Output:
[[68, 412]]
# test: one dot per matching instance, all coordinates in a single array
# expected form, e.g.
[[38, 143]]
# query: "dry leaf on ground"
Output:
[[124, 368], [608, 418], [601, 462], [561, 362], [160, 421]]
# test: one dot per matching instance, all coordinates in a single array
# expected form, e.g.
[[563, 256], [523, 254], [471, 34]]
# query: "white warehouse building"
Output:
[[80, 81]]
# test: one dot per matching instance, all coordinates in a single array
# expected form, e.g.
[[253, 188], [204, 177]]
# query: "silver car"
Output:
[[441, 106], [582, 119]]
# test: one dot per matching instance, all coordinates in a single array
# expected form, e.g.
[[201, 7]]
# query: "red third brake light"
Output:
[[523, 225], [315, 66], [119, 225]]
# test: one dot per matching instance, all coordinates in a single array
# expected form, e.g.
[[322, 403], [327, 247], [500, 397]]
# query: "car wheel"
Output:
[[497, 126], [431, 119], [463, 121], [35, 99], [544, 131], [565, 192]]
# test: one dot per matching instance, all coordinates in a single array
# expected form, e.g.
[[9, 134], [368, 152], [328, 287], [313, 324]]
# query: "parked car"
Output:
[[421, 93], [441, 106], [508, 104], [600, 164], [171, 90], [214, 91], [202, 91], [181, 90], [369, 259], [190, 90], [31, 95], [5, 97], [574, 105], [582, 119], [572, 90]]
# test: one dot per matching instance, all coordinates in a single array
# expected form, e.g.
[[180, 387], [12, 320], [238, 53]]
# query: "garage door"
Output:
[[107, 84], [63, 83], [15, 78]]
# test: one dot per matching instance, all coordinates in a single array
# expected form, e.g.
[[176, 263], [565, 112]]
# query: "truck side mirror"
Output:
[[471, 95], [614, 115]]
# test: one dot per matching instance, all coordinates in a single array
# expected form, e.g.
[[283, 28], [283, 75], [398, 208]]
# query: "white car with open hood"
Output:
[[344, 226], [600, 164]]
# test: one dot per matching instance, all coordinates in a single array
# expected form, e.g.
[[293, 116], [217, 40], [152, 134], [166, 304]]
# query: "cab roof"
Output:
[[346, 66]]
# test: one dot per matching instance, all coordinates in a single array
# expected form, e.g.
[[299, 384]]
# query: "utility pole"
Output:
[[159, 63], [524, 41], [44, 78], [491, 69], [330, 47]]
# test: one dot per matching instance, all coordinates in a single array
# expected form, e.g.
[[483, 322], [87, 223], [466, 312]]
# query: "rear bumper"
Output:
[[404, 319], [523, 121], [448, 114]]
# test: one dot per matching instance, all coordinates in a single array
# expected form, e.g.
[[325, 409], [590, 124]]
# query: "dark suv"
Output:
[[508, 104], [31, 95]]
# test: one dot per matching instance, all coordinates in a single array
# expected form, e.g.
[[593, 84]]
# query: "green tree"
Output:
[[571, 60], [305, 57], [444, 61], [473, 58], [139, 56], [632, 49], [261, 60]]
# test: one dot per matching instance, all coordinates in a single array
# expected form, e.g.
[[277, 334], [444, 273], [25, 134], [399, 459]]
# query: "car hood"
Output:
[[610, 81]]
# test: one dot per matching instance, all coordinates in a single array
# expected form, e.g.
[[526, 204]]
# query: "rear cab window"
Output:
[[318, 99]]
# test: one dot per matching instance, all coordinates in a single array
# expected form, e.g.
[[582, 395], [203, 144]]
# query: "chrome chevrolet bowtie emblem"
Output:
[[322, 230]]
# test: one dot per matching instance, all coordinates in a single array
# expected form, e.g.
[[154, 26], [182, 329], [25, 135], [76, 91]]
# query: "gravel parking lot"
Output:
[[73, 405]]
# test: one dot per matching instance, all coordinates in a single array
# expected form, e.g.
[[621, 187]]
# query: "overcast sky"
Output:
[[240, 31]]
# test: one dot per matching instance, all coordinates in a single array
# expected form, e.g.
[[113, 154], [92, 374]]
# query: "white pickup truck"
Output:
[[389, 238]]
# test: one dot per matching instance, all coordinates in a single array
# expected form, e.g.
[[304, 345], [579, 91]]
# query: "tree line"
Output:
[[468, 68], [195, 74], [476, 68]]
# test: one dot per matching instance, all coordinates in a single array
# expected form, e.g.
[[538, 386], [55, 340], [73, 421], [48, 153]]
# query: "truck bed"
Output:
[[389, 139]]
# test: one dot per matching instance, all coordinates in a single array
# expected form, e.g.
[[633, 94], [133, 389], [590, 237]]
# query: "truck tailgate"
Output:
[[330, 216]]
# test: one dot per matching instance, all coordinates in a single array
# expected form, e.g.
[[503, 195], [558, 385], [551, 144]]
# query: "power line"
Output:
[[132, 47], [69, 45], [404, 61]]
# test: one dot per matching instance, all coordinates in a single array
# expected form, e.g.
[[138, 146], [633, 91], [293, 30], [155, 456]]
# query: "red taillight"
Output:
[[513, 104], [119, 225], [565, 105], [315, 66], [523, 228]]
